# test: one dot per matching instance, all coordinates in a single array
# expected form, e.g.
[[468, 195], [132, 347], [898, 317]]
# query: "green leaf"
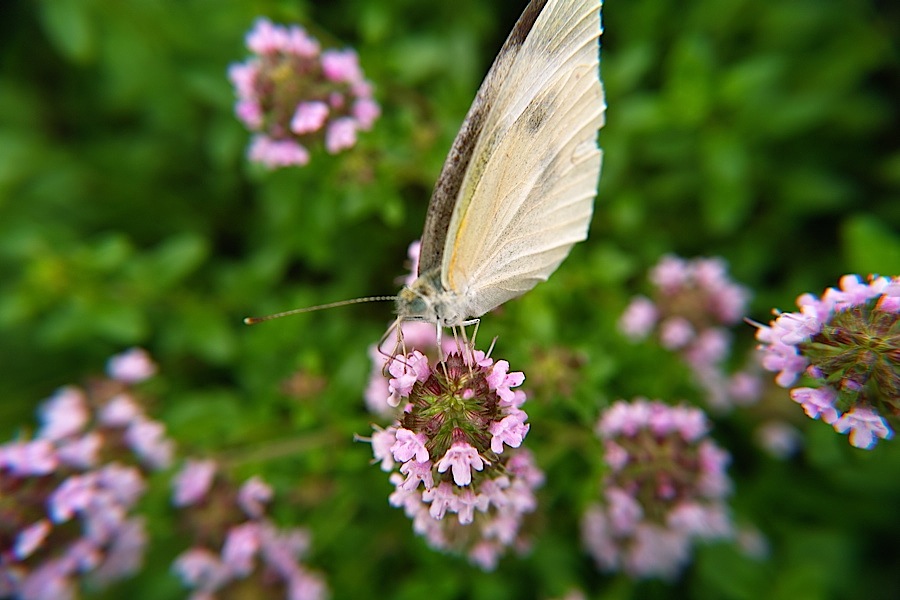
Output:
[[70, 28]]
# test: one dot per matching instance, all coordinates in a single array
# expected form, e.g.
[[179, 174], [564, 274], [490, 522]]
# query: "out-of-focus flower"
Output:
[[292, 95], [131, 366], [235, 544], [666, 488], [779, 438], [693, 303], [846, 345], [68, 495], [456, 451], [193, 481]]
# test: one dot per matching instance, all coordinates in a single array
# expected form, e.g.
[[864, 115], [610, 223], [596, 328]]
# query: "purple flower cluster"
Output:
[[847, 345], [234, 542], [291, 93], [67, 495], [666, 487], [456, 449], [693, 303]]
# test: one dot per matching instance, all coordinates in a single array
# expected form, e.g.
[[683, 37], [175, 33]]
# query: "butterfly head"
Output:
[[426, 300]]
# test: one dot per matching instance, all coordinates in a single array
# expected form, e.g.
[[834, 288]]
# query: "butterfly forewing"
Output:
[[446, 190], [526, 194]]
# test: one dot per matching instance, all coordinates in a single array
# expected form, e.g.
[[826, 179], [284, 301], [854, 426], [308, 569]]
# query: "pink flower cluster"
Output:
[[694, 302], [67, 496], [846, 344], [457, 449], [292, 94], [665, 489], [252, 550]]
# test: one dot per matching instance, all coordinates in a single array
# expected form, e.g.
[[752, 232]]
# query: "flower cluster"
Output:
[[693, 303], [847, 345], [291, 93], [67, 495], [457, 449], [665, 488], [235, 545]]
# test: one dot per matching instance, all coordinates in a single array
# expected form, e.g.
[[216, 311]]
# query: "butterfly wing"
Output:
[[524, 195], [446, 190]]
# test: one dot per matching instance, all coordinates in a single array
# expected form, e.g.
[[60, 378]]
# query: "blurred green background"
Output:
[[766, 133]]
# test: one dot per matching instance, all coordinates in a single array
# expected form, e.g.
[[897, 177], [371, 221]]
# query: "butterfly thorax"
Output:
[[427, 300]]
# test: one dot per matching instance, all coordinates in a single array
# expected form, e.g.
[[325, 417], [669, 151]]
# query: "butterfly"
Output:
[[516, 191]]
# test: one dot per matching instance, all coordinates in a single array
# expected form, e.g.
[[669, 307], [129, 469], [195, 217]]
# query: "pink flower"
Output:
[[250, 113], [277, 153], [309, 117], [778, 438], [131, 366], [676, 332], [416, 472], [30, 539], [406, 371], [241, 545], [511, 430], [193, 482], [382, 441], [64, 414], [243, 77], [366, 111], [462, 458], [200, 568], [148, 440], [37, 457], [120, 411], [81, 452], [442, 498], [341, 65], [817, 402], [290, 90], [639, 318], [468, 502], [500, 380], [782, 358], [266, 38], [50, 581], [703, 521], [624, 511], [409, 445], [340, 134], [865, 427], [665, 488], [461, 400], [670, 273], [252, 495], [844, 342], [615, 455], [300, 43]]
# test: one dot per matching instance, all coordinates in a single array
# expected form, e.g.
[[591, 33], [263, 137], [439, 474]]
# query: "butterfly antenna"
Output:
[[297, 311]]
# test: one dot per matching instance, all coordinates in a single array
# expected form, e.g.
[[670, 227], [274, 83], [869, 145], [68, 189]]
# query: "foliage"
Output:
[[762, 133]]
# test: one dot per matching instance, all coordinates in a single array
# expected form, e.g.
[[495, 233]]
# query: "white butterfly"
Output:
[[516, 191]]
